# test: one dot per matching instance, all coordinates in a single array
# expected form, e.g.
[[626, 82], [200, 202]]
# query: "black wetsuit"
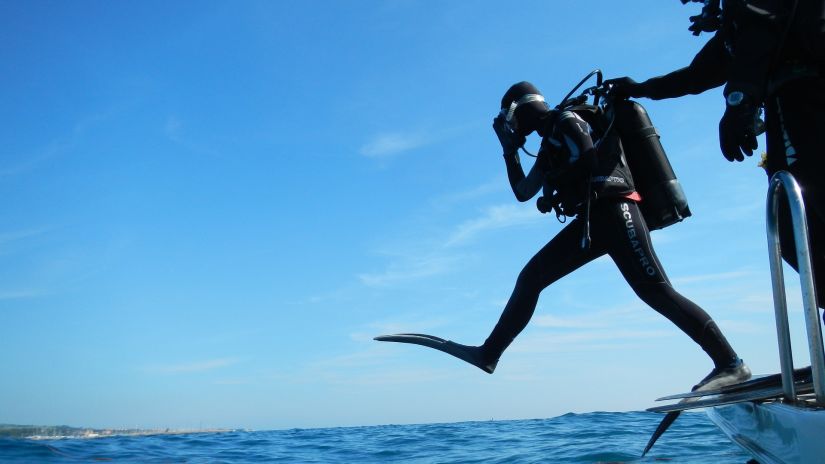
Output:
[[777, 60], [566, 159]]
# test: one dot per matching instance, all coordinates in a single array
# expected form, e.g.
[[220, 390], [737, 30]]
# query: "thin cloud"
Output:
[[199, 366], [714, 277], [438, 260], [175, 132], [19, 294], [58, 147], [13, 236], [494, 217], [411, 324], [751, 210], [387, 145], [555, 322], [493, 186], [372, 366], [173, 128], [33, 162], [408, 269], [740, 326], [233, 382], [583, 340], [374, 353], [13, 241]]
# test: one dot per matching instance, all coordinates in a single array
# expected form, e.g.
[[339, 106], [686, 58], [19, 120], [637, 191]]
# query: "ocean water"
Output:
[[604, 437]]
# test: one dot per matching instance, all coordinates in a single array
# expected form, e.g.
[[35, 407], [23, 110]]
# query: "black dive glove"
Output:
[[738, 127], [710, 20], [509, 140], [705, 23], [624, 87], [544, 205]]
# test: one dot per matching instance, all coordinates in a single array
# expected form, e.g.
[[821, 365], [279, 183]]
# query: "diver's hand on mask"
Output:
[[703, 23], [738, 128], [710, 20], [624, 87], [509, 140]]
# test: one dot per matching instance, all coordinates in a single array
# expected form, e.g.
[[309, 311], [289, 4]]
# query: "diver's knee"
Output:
[[529, 279], [652, 293]]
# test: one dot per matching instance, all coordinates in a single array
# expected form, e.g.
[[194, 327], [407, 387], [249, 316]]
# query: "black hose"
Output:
[[598, 72], [586, 230]]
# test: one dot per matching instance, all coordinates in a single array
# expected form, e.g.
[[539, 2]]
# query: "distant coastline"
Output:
[[48, 432]]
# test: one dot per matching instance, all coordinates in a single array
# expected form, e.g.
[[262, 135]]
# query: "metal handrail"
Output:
[[784, 181]]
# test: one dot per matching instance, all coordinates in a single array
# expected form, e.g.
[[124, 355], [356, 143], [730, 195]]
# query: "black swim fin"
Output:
[[764, 394], [738, 371], [662, 428], [469, 354], [801, 376], [740, 395]]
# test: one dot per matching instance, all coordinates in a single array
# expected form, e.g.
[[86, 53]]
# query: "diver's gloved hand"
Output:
[[624, 87], [544, 206], [509, 140], [710, 20], [704, 23], [738, 127]]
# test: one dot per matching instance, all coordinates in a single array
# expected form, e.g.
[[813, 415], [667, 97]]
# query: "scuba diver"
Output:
[[771, 54], [591, 182]]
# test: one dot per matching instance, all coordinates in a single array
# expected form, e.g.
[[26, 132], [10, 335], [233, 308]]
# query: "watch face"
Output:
[[735, 98]]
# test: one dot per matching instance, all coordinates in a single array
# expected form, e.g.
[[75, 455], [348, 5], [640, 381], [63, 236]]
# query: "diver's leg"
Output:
[[561, 256], [632, 251]]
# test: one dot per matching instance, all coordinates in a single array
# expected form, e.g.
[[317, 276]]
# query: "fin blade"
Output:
[[667, 421], [414, 339], [665, 424], [465, 353]]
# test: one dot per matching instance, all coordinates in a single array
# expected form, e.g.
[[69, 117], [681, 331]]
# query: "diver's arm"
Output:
[[574, 133], [524, 187], [707, 70], [758, 36]]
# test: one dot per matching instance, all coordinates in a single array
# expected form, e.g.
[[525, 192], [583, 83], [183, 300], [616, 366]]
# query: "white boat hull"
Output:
[[774, 432]]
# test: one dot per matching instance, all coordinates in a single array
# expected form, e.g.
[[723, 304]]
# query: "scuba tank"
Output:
[[663, 200]]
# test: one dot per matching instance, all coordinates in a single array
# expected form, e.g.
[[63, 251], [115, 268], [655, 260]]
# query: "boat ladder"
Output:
[[781, 182]]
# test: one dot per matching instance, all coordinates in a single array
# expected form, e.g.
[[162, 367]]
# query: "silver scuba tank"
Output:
[[663, 200]]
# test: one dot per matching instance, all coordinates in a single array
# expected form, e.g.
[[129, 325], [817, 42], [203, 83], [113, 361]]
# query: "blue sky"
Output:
[[212, 207]]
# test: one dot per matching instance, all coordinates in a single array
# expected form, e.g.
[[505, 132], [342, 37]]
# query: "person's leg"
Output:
[[795, 121], [632, 251], [561, 256]]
